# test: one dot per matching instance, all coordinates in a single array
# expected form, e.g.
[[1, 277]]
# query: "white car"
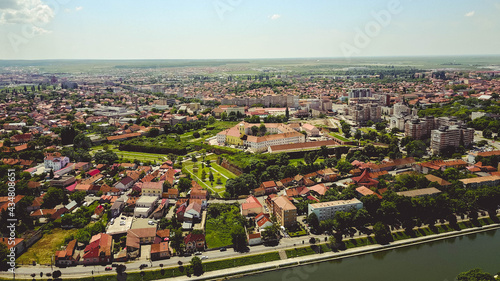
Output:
[[204, 257]]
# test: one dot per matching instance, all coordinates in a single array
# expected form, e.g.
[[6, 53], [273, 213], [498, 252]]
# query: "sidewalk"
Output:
[[282, 264]]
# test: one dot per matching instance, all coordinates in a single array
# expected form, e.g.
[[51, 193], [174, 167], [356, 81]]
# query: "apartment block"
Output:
[[327, 210]]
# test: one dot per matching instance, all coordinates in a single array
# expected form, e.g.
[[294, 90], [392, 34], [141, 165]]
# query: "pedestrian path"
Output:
[[282, 254]]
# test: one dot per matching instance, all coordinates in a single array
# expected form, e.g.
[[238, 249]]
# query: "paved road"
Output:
[[285, 243]]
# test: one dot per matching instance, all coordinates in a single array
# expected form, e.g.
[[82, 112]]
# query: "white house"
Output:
[[125, 183], [193, 209], [144, 206], [55, 161], [254, 239]]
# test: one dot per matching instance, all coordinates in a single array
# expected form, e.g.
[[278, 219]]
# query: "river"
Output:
[[434, 261]]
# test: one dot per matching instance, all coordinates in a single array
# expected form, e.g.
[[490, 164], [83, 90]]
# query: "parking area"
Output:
[[120, 225]]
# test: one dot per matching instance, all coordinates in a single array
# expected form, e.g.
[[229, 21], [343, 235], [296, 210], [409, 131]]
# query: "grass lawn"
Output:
[[296, 161], [218, 229], [222, 171], [340, 137], [43, 249], [222, 264], [217, 171], [131, 155]]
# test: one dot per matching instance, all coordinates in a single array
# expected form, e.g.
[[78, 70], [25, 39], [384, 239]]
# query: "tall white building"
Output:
[[327, 210]]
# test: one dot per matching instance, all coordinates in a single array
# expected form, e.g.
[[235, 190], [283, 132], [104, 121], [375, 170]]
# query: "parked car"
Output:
[[114, 265], [143, 266], [197, 253], [223, 249], [204, 257], [108, 268]]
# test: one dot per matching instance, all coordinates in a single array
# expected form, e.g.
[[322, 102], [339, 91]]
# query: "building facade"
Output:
[[327, 210]]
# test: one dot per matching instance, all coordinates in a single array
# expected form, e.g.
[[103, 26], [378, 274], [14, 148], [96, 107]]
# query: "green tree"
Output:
[[313, 222], [416, 148], [197, 266], [4, 251], [211, 176], [53, 197], [203, 174], [153, 132], [78, 196], [82, 141], [184, 184], [177, 241], [270, 232], [255, 130], [343, 166], [382, 233], [238, 238], [166, 186], [475, 275], [211, 120]]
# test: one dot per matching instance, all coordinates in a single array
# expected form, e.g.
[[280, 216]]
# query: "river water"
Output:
[[435, 261]]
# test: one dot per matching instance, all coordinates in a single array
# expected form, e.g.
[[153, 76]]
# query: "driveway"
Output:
[[145, 252]]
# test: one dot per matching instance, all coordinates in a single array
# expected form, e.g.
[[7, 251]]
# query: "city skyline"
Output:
[[223, 29]]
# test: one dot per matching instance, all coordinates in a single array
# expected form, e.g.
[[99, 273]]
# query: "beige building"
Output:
[[284, 211], [453, 136]]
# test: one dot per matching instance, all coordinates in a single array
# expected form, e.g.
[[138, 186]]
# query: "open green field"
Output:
[[43, 249], [217, 171], [301, 160], [131, 155], [218, 229]]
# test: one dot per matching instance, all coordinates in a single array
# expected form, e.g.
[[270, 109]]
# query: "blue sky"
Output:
[[213, 29]]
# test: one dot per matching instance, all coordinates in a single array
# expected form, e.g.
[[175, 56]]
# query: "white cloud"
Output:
[[275, 17], [79, 8], [470, 14], [25, 11], [39, 31]]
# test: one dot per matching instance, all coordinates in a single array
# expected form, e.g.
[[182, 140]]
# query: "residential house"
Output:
[[172, 193], [311, 130], [254, 239], [125, 183], [420, 192], [438, 180], [62, 181], [159, 212], [269, 187], [365, 180], [262, 220], [68, 256], [99, 250], [320, 189], [117, 207], [140, 236], [194, 242], [193, 212], [152, 189], [160, 251], [365, 191], [251, 206], [144, 206], [19, 244], [55, 161]]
